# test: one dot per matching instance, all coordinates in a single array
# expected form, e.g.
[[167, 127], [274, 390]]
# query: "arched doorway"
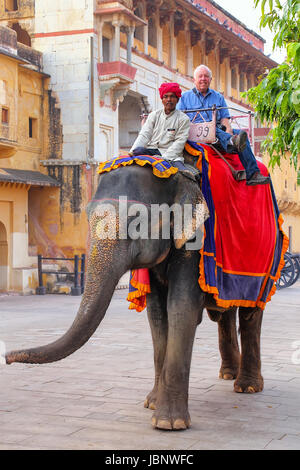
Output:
[[130, 111], [3, 259], [22, 35]]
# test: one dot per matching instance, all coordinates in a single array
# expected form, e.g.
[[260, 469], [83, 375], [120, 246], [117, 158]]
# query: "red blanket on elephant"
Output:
[[244, 244]]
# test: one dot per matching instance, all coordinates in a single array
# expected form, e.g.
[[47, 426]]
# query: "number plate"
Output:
[[203, 132]]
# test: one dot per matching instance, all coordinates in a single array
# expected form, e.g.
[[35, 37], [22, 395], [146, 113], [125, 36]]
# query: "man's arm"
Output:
[[145, 133], [176, 149], [225, 116]]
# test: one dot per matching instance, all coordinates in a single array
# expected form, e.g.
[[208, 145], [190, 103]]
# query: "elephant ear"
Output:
[[191, 212]]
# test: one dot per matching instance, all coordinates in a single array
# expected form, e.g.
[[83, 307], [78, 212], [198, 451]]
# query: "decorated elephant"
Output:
[[176, 301]]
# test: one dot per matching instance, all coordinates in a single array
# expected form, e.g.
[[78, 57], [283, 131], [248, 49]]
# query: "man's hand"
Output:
[[226, 122]]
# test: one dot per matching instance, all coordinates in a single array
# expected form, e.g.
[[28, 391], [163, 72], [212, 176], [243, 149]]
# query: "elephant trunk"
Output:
[[103, 274]]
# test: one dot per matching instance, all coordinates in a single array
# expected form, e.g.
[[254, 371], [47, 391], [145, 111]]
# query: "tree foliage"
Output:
[[276, 99]]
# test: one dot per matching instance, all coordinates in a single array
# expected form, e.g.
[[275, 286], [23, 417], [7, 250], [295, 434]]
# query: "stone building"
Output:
[[105, 61], [24, 140]]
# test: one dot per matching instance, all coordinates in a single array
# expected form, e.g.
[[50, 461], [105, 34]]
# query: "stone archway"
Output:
[[3, 259], [130, 121], [22, 35]]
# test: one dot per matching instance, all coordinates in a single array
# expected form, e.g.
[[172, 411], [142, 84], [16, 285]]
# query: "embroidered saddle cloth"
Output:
[[244, 244], [161, 168]]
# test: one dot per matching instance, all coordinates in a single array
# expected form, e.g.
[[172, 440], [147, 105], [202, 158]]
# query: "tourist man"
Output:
[[232, 141], [166, 131]]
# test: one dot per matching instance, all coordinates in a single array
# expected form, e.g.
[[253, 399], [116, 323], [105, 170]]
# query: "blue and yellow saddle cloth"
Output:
[[161, 168]]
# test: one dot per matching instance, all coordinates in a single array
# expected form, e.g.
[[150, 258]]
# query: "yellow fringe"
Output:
[[165, 174], [143, 289]]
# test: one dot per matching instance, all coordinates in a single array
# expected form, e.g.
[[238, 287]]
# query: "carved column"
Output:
[[237, 71], [129, 33], [173, 44], [145, 28], [159, 36], [217, 57], [188, 49], [117, 26], [196, 36], [228, 76], [100, 41]]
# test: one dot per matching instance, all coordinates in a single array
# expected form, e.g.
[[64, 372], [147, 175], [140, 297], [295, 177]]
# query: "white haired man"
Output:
[[231, 140]]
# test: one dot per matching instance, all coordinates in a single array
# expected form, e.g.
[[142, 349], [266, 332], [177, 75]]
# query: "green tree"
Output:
[[276, 99]]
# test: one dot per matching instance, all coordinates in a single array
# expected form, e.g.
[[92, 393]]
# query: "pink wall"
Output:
[[236, 28]]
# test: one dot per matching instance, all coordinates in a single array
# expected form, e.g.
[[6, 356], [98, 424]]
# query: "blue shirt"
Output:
[[192, 100]]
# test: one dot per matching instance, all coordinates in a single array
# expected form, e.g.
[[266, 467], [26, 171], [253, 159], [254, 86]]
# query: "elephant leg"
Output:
[[185, 299], [158, 320], [249, 379], [228, 342], [228, 345]]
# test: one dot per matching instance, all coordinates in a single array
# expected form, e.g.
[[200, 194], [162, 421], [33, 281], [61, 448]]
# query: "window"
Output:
[[32, 128], [152, 37], [4, 116], [11, 5], [242, 82], [233, 78], [105, 49], [22, 35], [139, 30]]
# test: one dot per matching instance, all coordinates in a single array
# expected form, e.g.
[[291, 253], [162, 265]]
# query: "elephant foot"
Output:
[[150, 401], [248, 384], [228, 373], [171, 417]]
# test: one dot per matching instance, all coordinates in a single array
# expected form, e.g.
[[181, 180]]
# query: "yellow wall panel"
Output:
[[181, 52], [166, 44]]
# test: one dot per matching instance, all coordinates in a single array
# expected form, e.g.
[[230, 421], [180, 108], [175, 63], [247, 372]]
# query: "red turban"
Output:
[[170, 88]]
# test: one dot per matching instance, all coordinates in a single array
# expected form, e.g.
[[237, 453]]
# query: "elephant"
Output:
[[176, 302]]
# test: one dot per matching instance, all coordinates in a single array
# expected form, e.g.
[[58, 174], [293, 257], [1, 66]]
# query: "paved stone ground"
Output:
[[94, 398]]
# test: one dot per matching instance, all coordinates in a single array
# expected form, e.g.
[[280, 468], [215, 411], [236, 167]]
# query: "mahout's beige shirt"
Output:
[[166, 132]]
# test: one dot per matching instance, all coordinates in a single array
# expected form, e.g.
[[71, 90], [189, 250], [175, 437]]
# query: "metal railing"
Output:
[[78, 276], [290, 273]]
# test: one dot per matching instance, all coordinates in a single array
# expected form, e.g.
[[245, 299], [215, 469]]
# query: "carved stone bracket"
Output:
[[224, 52], [165, 13], [286, 205], [195, 36], [150, 9], [178, 24], [115, 77], [210, 44], [119, 93], [106, 86], [118, 90]]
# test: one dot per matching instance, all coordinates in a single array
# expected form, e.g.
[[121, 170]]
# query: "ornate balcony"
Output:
[[124, 72], [117, 77], [8, 146], [121, 10]]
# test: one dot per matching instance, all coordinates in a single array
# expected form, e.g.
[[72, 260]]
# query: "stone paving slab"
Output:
[[94, 398]]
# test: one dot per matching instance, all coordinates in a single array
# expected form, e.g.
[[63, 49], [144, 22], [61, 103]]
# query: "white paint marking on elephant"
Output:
[[2, 352]]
